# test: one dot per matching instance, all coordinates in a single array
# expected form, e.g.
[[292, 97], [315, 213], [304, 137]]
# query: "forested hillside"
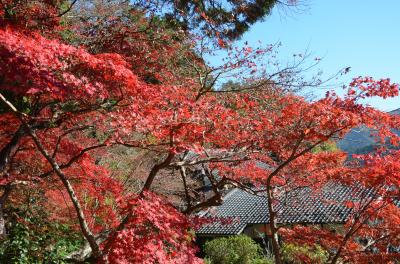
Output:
[[361, 140]]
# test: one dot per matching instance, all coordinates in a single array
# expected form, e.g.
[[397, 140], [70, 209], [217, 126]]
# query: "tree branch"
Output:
[[75, 201]]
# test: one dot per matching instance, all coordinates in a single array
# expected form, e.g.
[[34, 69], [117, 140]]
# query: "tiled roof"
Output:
[[218, 228], [299, 206], [239, 206]]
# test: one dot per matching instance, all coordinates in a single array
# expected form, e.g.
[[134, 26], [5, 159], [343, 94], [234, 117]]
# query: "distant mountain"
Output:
[[395, 112], [359, 140]]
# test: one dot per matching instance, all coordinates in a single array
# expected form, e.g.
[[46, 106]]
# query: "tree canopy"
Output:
[[83, 97]]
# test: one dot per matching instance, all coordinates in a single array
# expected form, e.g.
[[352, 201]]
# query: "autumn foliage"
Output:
[[67, 102]]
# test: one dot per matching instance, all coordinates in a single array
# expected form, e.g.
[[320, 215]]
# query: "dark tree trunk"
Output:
[[3, 199], [8, 150], [154, 171], [6, 154], [274, 229]]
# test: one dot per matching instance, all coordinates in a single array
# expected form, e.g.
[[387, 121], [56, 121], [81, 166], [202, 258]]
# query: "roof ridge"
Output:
[[230, 193]]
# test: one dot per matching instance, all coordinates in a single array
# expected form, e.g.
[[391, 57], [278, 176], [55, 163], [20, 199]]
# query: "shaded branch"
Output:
[[75, 201]]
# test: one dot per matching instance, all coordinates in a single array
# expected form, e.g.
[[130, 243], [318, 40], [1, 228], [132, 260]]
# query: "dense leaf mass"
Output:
[[155, 233], [42, 66]]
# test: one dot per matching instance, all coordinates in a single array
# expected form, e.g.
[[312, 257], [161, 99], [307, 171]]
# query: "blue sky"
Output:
[[364, 35]]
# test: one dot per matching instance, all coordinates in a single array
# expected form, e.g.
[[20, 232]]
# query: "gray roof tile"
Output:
[[299, 206]]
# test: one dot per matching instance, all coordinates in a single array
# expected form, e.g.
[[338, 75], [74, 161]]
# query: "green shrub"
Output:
[[34, 238], [292, 253], [24, 244], [234, 250]]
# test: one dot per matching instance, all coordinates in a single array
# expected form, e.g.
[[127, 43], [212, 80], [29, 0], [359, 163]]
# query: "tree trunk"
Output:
[[182, 170], [8, 150], [154, 171], [87, 233], [3, 198], [274, 229], [339, 251], [6, 154]]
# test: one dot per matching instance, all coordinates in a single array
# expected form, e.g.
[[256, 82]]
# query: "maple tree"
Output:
[[302, 126], [49, 100], [63, 107]]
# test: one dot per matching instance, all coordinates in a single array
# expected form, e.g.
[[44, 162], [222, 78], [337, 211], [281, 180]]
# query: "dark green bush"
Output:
[[33, 238], [234, 250]]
